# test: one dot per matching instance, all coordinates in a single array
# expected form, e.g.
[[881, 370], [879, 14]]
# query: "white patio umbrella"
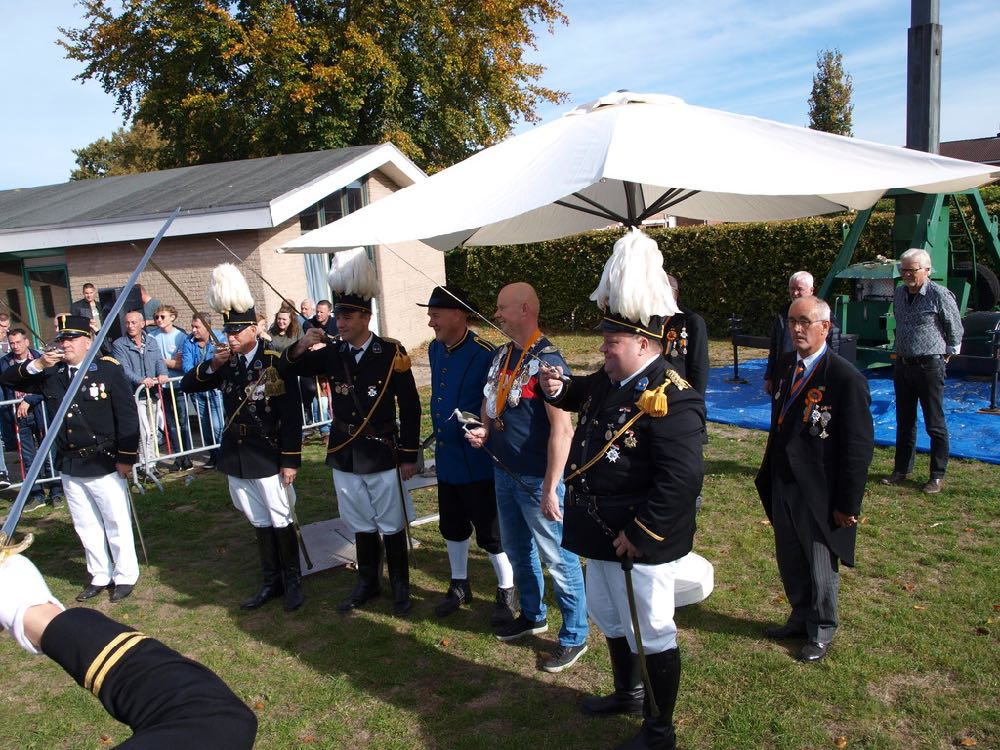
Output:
[[628, 157]]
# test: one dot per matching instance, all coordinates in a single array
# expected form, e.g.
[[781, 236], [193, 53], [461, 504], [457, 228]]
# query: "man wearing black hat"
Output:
[[97, 445], [370, 383], [261, 448], [633, 474], [467, 502]]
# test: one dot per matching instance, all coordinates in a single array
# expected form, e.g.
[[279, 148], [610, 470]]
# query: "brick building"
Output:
[[55, 238]]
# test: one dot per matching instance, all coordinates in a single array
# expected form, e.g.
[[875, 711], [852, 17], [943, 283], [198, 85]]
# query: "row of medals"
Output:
[[528, 368], [254, 390]]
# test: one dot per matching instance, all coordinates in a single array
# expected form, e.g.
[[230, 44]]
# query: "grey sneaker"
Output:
[[934, 486], [4, 480], [34, 503], [521, 627], [564, 657]]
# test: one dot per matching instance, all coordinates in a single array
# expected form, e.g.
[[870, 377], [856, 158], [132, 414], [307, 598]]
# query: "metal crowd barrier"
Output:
[[42, 421]]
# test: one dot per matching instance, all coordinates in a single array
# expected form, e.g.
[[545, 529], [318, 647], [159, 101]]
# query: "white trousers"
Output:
[[99, 509], [264, 501], [607, 603], [370, 502]]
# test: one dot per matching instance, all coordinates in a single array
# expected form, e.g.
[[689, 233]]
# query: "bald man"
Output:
[[531, 439]]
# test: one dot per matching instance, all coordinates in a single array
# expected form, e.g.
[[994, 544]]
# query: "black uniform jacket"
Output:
[[265, 436], [377, 385], [169, 701], [101, 427], [647, 482], [687, 353], [830, 471]]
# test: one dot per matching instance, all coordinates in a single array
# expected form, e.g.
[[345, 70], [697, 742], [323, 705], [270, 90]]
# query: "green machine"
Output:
[[936, 223]]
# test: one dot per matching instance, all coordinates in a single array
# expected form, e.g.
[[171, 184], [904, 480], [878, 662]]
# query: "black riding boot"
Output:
[[629, 691], [657, 732], [399, 571], [270, 586], [291, 568], [368, 549]]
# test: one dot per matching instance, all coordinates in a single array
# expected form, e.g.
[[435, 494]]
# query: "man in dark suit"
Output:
[[812, 479], [370, 383], [88, 307], [685, 342]]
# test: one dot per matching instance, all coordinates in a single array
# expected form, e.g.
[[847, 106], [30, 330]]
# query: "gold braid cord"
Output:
[[9, 550]]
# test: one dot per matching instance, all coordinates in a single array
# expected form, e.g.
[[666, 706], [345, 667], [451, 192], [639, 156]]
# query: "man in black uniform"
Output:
[[370, 378], [685, 342], [97, 445], [261, 447], [167, 700], [634, 471]]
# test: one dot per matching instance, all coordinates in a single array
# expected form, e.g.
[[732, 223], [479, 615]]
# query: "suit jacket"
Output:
[[82, 307], [9, 393], [92, 437], [685, 345], [379, 384], [830, 471], [265, 435], [647, 482]]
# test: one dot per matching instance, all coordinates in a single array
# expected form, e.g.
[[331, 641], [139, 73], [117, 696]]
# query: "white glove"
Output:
[[21, 587]]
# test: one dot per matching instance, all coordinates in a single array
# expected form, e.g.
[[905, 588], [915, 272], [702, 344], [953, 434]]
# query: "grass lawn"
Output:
[[916, 663]]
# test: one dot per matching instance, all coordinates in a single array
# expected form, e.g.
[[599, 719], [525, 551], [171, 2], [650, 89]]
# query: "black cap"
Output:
[[348, 303], [450, 297], [72, 326], [234, 322], [619, 324]]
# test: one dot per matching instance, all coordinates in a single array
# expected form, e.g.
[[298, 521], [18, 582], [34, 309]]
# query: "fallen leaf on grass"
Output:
[[105, 740], [443, 642], [935, 525], [779, 599], [907, 587], [919, 607], [309, 739], [864, 519], [840, 742], [996, 607], [968, 742], [764, 522], [968, 529]]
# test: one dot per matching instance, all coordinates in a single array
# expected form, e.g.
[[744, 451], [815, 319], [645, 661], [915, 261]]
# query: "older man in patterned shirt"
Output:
[[928, 332]]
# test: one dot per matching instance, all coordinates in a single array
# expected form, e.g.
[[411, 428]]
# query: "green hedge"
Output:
[[724, 269]]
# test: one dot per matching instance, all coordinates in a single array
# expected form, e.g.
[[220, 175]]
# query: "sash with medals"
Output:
[[501, 382]]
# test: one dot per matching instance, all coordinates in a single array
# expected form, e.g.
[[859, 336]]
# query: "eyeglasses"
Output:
[[160, 317], [911, 271], [801, 322]]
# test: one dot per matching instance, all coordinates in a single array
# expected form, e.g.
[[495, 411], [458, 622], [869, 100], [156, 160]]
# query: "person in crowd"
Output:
[[166, 699], [144, 368], [928, 333], [199, 346], [800, 284], [531, 439], [372, 385], [685, 342], [324, 320], [634, 472], [25, 416], [171, 339], [813, 474], [285, 330], [459, 362], [149, 307], [88, 307], [4, 330], [261, 447], [307, 308], [96, 446]]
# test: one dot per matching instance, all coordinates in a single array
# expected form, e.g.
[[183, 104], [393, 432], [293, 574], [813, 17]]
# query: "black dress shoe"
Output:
[[813, 651], [120, 591], [358, 598], [90, 591], [782, 632], [894, 478]]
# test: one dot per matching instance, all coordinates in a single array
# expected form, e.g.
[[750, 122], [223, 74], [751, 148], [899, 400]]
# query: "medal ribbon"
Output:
[[798, 385], [506, 378]]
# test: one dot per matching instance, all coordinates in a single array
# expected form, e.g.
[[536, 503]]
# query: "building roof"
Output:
[[982, 150], [247, 194]]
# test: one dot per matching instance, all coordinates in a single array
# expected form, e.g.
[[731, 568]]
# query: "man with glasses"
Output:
[[812, 478], [928, 332]]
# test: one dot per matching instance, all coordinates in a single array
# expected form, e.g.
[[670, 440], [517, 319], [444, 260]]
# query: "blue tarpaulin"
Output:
[[970, 434]]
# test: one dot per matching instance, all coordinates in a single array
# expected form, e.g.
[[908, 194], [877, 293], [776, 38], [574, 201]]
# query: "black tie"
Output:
[[355, 351], [72, 372]]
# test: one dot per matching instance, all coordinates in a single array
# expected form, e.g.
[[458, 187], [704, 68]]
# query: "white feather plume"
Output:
[[352, 273], [634, 284], [228, 290]]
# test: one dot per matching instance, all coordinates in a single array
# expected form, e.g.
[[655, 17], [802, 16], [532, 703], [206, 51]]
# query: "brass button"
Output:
[[572, 467]]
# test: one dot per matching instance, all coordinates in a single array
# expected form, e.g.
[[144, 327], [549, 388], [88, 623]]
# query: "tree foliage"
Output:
[[232, 80], [830, 108], [136, 149]]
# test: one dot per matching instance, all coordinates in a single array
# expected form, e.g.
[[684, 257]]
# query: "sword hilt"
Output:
[[9, 550]]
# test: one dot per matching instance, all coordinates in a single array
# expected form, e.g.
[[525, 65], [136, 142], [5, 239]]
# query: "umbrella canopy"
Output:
[[628, 157]]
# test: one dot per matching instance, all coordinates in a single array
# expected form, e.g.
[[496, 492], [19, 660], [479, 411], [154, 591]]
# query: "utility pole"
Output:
[[923, 77]]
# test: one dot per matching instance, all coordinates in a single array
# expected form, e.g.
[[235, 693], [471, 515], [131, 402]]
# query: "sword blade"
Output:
[[634, 614]]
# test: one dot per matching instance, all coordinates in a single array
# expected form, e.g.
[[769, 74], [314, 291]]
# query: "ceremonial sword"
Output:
[[14, 515], [466, 419], [135, 517]]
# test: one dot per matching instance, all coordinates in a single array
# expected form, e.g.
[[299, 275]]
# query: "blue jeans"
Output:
[[528, 537], [209, 407]]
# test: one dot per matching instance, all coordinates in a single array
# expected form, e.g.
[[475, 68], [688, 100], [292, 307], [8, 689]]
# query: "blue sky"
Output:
[[753, 57]]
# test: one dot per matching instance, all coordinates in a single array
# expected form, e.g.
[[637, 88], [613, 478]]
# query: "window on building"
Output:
[[335, 206]]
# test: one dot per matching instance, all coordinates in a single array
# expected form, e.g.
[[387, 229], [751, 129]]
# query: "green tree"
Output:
[[830, 107], [137, 149], [440, 79]]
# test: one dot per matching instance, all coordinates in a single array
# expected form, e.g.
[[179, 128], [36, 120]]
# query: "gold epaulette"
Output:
[[112, 360], [401, 363], [272, 352], [654, 400], [675, 378]]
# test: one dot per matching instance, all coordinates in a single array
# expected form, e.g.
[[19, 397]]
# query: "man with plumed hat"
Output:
[[459, 361], [633, 473], [261, 448], [371, 383], [97, 445], [813, 474]]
